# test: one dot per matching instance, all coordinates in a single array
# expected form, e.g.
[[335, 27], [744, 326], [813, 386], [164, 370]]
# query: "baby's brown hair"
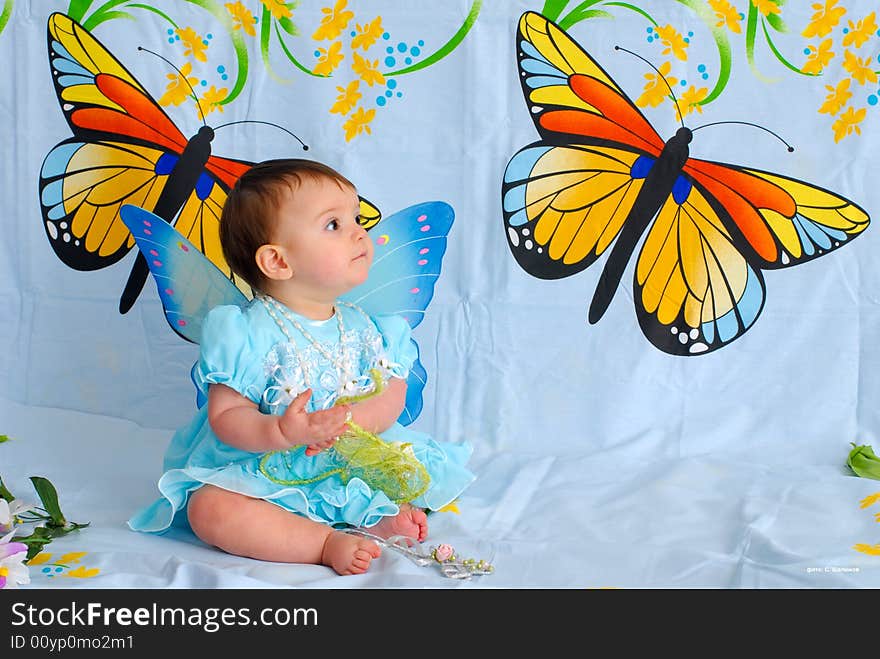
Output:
[[248, 216]]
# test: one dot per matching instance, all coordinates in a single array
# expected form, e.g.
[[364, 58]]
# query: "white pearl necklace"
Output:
[[339, 362]]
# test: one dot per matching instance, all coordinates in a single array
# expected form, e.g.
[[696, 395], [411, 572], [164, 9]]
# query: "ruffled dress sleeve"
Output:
[[228, 355], [400, 348]]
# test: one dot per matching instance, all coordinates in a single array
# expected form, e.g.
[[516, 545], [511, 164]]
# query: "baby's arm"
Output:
[[237, 421], [379, 412]]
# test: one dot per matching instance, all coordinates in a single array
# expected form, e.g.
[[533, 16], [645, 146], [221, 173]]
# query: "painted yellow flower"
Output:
[[357, 123], [860, 31], [82, 572], [367, 34], [656, 91], [727, 15], [690, 101], [825, 19], [859, 68], [871, 550], [819, 57], [39, 559], [869, 500], [451, 507], [329, 59], [766, 7], [673, 41], [178, 90], [193, 44], [366, 70], [211, 100], [838, 97], [848, 123], [278, 9], [347, 99], [72, 557], [334, 22], [242, 18]]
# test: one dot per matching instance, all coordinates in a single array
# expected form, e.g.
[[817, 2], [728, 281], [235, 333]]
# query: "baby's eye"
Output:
[[332, 225]]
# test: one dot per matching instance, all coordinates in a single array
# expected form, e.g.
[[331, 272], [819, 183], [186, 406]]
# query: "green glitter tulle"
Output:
[[391, 467]]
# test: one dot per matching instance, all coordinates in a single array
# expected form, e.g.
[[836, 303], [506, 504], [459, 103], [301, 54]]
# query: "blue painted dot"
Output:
[[204, 83], [872, 100], [650, 39], [687, 40], [846, 30], [705, 76], [224, 77], [399, 94], [389, 50], [415, 51], [690, 34], [317, 53], [177, 37], [170, 31], [47, 569], [170, 39], [422, 41], [388, 94], [408, 60], [59, 569], [352, 33], [392, 84], [205, 42], [684, 83], [221, 69], [401, 47], [806, 51], [390, 61], [701, 68], [380, 101], [650, 29], [386, 36]]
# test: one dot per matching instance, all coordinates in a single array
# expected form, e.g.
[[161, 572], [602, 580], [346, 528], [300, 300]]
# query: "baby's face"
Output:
[[327, 249]]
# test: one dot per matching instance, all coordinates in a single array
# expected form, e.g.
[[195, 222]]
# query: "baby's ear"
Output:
[[272, 262]]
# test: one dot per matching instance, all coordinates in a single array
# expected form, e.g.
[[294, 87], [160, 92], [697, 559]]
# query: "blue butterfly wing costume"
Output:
[[407, 262]]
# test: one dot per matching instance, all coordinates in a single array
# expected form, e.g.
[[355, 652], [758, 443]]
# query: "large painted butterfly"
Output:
[[601, 172], [126, 150], [406, 264]]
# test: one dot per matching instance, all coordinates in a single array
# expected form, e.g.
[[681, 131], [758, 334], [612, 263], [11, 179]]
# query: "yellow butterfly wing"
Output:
[[564, 205]]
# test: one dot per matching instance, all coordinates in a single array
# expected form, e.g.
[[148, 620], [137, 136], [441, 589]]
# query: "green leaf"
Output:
[[4, 438], [4, 493], [777, 23], [49, 497], [289, 26], [864, 462]]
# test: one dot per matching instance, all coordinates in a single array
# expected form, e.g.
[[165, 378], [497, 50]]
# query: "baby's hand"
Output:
[[319, 430]]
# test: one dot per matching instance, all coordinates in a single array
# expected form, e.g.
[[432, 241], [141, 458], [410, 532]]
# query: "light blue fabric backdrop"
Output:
[[601, 460]]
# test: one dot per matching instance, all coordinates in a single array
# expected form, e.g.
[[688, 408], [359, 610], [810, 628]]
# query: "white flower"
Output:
[[9, 511], [13, 571]]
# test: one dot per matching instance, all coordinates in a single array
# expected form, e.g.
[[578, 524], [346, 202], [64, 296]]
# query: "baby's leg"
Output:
[[410, 522], [257, 529]]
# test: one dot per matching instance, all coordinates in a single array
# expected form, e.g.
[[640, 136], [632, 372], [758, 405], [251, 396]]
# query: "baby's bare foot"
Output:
[[410, 522], [349, 554]]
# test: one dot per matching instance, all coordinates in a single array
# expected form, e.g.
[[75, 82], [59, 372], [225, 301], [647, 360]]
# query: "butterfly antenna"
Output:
[[747, 123], [666, 82], [182, 77], [267, 123]]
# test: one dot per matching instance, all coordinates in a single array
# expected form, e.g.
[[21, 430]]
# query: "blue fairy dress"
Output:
[[263, 356]]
